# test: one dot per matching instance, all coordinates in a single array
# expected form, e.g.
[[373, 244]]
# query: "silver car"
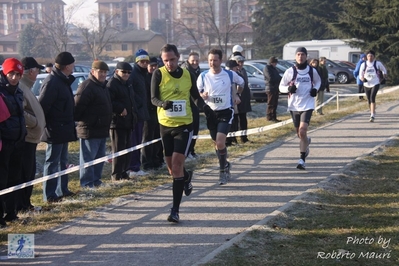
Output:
[[79, 78]]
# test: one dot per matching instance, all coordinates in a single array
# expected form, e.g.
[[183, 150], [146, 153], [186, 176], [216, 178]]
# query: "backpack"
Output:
[[310, 73], [379, 72]]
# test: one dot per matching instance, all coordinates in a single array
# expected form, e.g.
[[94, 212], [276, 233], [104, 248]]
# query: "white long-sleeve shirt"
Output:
[[301, 99]]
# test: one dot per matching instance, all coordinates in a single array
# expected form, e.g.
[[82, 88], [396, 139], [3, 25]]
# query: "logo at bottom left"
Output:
[[21, 246]]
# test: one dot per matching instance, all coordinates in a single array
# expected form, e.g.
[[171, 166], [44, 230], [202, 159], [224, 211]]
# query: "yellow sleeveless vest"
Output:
[[178, 91]]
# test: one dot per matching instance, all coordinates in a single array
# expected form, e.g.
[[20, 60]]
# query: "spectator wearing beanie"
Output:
[[93, 112], [12, 137], [272, 79], [57, 101], [35, 122], [124, 114], [138, 79]]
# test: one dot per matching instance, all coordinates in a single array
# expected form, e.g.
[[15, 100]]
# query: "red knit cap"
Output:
[[12, 64]]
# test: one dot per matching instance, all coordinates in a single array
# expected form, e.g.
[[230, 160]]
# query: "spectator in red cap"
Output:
[[12, 137]]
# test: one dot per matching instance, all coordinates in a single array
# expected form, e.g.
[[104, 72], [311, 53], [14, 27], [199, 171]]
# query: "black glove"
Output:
[[167, 105], [313, 92], [364, 80], [292, 88]]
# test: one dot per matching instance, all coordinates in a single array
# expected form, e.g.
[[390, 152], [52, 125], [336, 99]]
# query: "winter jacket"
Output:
[[33, 112], [356, 71], [245, 105], [138, 79], [323, 73], [13, 129], [93, 109], [56, 99], [122, 97], [272, 78]]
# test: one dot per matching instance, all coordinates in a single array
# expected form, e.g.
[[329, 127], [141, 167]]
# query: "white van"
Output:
[[334, 49]]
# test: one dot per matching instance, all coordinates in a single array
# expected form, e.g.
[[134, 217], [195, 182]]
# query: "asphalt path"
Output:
[[134, 231]]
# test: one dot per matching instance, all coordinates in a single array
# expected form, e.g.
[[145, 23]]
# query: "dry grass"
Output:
[[86, 200], [352, 220]]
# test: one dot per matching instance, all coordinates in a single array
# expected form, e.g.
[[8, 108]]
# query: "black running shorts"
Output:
[[301, 116], [176, 139]]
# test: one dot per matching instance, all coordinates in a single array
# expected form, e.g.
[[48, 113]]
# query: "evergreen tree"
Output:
[[27, 40], [280, 22], [375, 26], [32, 42]]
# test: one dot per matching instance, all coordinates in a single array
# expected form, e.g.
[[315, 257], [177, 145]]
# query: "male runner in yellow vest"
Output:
[[171, 89]]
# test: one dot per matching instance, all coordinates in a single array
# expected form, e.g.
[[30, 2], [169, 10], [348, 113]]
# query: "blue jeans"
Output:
[[56, 160], [91, 149]]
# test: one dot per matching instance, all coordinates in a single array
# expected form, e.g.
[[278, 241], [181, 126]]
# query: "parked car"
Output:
[[82, 68], [345, 64], [256, 68], [79, 78], [343, 74], [256, 85]]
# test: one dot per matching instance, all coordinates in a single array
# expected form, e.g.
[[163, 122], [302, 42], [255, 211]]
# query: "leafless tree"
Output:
[[55, 22], [97, 35], [209, 25]]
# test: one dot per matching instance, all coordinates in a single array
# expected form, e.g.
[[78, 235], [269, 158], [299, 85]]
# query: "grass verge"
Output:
[[87, 200], [353, 219]]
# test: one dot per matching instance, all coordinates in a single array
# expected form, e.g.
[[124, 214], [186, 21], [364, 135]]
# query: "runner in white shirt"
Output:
[[215, 87], [302, 89], [368, 73]]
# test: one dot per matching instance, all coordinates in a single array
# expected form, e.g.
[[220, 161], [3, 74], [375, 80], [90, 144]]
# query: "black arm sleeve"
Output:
[[155, 81], [197, 99]]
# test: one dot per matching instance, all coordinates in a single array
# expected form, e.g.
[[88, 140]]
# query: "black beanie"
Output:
[[301, 50], [64, 58]]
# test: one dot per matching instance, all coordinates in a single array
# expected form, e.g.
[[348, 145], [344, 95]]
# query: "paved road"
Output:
[[134, 230]]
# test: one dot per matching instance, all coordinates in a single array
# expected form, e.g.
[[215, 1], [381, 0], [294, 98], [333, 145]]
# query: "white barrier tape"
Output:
[[76, 168], [123, 152]]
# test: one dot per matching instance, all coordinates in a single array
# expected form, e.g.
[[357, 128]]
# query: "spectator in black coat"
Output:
[[56, 99], [124, 118], [245, 106], [93, 111], [272, 78]]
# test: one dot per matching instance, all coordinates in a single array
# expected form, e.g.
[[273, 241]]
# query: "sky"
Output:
[[87, 8]]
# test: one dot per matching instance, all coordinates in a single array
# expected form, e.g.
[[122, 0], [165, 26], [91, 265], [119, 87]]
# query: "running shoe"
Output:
[[227, 170], [307, 149], [222, 178], [188, 186], [301, 165], [371, 118], [174, 216]]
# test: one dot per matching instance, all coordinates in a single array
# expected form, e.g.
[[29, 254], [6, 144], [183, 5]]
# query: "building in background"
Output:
[[15, 15], [133, 14]]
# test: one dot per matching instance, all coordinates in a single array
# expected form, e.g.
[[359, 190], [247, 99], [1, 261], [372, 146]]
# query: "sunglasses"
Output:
[[126, 72]]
